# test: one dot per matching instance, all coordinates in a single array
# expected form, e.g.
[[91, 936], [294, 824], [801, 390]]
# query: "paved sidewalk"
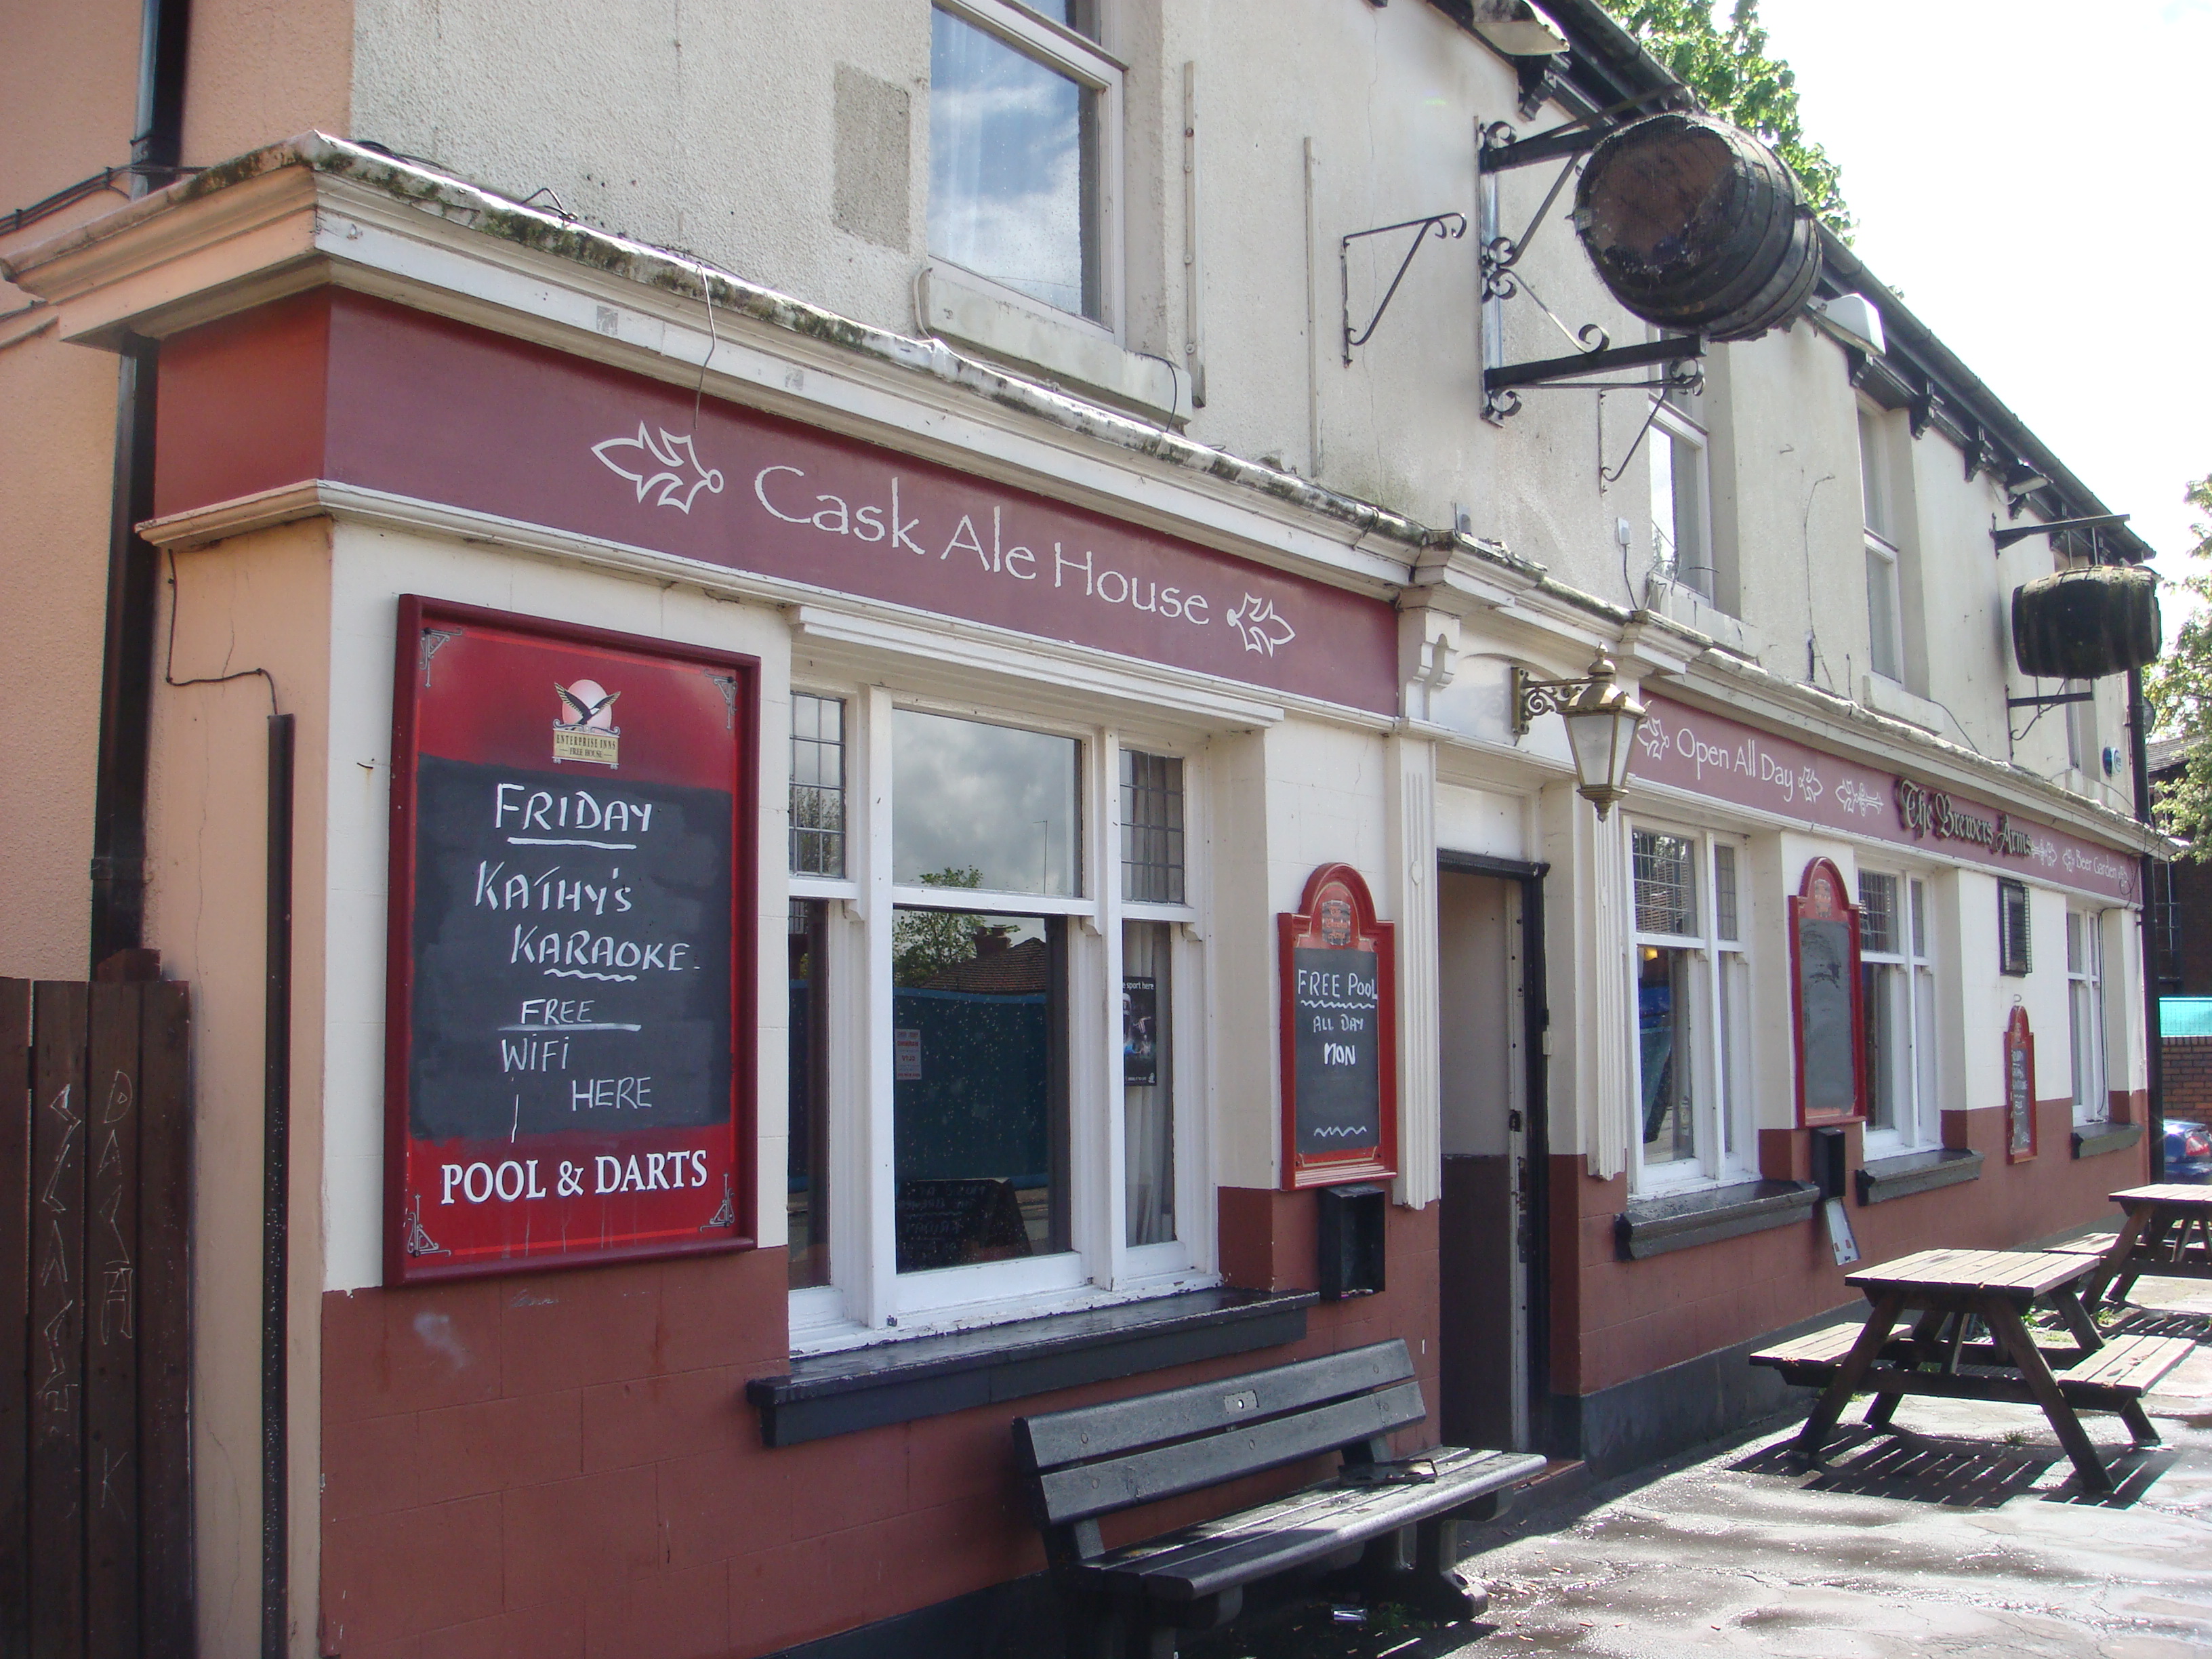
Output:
[[1967, 1534]]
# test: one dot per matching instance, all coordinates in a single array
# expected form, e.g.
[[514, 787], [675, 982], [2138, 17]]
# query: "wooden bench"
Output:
[[2113, 1378], [1094, 1462]]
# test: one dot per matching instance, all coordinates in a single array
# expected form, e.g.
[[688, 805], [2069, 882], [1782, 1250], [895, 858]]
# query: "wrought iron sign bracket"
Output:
[[2006, 537], [1532, 696], [1501, 387], [2017, 735], [1448, 227]]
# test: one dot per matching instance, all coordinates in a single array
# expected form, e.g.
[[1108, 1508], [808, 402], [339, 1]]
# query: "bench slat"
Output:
[[1306, 1526], [2130, 1365], [1088, 1490], [1818, 1347], [1054, 1438]]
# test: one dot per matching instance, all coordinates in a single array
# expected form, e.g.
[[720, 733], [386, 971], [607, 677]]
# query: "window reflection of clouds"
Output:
[[992, 799], [1006, 167]]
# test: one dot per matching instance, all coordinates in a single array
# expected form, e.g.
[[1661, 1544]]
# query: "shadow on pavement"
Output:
[[1922, 1469]]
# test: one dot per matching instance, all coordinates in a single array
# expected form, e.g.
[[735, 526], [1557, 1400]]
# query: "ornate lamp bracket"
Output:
[[1532, 696]]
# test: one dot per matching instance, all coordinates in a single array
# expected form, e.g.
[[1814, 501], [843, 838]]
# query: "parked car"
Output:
[[2188, 1150]]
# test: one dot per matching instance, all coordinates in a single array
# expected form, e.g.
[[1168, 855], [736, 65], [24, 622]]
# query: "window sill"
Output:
[[1653, 1226], [1066, 350], [1887, 696], [844, 1392], [1904, 1173], [2095, 1139], [1679, 602]]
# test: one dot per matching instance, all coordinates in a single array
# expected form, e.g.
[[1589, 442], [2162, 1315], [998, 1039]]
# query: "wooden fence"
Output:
[[95, 1467]]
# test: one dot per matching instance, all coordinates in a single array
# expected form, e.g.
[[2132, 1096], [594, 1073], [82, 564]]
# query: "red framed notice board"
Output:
[[1338, 988], [2020, 1087], [568, 1054], [1824, 998]]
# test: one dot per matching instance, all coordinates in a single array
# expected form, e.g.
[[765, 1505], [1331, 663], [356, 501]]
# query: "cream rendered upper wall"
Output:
[[68, 97], [708, 128]]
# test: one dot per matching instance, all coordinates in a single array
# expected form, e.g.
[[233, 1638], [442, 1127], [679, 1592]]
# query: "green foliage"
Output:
[[2178, 690], [1727, 65], [925, 943]]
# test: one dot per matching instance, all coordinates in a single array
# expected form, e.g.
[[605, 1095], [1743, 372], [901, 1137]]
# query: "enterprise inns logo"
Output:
[[584, 728]]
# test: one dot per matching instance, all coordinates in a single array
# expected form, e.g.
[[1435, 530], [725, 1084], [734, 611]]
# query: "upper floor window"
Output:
[[1682, 533], [1886, 646], [1021, 111]]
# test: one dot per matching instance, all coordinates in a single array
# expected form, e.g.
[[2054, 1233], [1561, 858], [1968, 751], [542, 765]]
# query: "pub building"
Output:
[[841, 895]]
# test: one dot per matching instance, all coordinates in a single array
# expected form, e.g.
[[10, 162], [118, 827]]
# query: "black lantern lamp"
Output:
[[1603, 717]]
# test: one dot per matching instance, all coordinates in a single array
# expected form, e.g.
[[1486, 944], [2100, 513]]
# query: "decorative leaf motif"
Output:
[[661, 466], [1259, 625]]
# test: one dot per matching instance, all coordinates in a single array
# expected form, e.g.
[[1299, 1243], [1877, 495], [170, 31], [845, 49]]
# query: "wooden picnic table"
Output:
[[1951, 1288], [2167, 1233]]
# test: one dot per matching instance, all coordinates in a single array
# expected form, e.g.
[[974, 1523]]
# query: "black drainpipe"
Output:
[[118, 821], [2154, 1040]]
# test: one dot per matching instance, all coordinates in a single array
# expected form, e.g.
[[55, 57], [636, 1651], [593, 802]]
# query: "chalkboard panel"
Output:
[[1825, 989], [1338, 1033], [1335, 1014], [568, 1042], [2020, 1087], [576, 987], [1825, 996]]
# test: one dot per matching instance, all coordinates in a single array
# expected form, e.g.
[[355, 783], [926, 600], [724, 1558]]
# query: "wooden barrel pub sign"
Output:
[[1339, 1034], [570, 990]]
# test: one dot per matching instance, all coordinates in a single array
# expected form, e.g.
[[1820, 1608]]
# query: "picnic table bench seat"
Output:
[[2112, 1378], [1083, 1465]]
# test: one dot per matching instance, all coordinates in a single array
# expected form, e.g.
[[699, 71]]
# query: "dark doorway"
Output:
[[1492, 1272]]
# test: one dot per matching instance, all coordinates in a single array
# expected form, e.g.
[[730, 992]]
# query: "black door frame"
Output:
[[1536, 1020]]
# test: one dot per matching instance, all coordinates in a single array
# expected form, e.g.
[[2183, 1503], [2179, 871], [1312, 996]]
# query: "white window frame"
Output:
[[1722, 1129], [1091, 63], [2090, 1070], [867, 1299], [1877, 502], [1918, 1062], [1670, 421]]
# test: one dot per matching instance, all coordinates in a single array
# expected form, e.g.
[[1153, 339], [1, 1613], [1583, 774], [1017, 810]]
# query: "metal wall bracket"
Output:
[[2005, 538], [1501, 398], [1447, 226], [2051, 701]]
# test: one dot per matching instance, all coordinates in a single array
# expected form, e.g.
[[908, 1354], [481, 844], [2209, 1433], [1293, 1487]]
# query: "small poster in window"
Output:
[[1140, 1029], [906, 1056]]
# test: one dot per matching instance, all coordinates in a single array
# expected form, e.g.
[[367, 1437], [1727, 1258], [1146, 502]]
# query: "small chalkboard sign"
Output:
[[1824, 950], [1339, 1034], [2020, 1087], [568, 1039]]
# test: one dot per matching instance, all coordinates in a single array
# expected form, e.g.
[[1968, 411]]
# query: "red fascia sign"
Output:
[[1715, 758], [1338, 991], [365, 392], [569, 1018]]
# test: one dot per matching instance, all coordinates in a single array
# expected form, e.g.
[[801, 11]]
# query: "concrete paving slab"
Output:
[[1964, 1532]]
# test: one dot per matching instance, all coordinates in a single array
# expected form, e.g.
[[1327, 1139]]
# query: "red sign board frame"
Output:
[[1336, 913], [1822, 897], [2020, 1099], [490, 690]]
